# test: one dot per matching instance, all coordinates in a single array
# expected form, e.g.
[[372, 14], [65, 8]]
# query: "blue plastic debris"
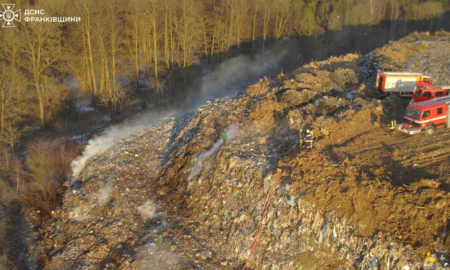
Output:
[[291, 202], [374, 262], [226, 214]]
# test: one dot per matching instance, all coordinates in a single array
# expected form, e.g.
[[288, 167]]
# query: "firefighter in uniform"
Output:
[[301, 137], [309, 136]]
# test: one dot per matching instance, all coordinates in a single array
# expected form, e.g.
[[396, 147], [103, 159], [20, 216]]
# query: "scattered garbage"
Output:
[[174, 197]]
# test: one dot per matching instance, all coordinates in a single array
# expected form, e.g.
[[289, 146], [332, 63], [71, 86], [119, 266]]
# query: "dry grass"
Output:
[[5, 263], [260, 88], [397, 51], [350, 57], [48, 166]]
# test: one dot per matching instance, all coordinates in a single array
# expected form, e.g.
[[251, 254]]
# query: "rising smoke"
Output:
[[202, 161], [236, 74], [150, 257], [105, 192], [231, 76], [147, 210], [78, 214], [101, 143]]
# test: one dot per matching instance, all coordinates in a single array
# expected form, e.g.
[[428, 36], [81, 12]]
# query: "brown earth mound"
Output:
[[174, 197]]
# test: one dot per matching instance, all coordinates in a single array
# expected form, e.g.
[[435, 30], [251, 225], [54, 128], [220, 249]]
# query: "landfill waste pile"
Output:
[[175, 197], [420, 52]]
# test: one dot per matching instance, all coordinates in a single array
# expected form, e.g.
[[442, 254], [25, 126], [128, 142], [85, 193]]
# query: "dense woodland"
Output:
[[120, 40], [119, 44]]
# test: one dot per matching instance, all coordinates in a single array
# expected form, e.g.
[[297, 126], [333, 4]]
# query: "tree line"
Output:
[[119, 41]]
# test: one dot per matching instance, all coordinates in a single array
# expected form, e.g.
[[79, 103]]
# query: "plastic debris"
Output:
[[148, 173]]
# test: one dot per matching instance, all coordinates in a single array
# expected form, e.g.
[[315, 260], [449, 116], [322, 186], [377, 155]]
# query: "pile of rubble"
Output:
[[418, 52], [174, 197]]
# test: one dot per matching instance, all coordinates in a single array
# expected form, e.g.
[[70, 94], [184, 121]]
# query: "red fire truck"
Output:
[[427, 92], [404, 83], [426, 116]]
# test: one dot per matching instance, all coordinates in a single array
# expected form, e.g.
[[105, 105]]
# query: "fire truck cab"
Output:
[[403, 83], [427, 92], [426, 116]]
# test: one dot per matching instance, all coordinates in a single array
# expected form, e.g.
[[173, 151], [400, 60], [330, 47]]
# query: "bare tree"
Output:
[[86, 10], [394, 16], [169, 14], [38, 45], [10, 136], [135, 21], [375, 7], [255, 4], [267, 9], [13, 106], [429, 11], [282, 15], [308, 25], [48, 166], [241, 14], [189, 32]]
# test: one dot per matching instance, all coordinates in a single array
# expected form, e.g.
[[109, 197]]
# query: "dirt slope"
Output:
[[328, 209]]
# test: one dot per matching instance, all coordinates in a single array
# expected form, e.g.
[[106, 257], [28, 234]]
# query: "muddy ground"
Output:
[[174, 197]]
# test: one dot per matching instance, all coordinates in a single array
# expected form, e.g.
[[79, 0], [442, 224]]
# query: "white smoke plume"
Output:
[[101, 143], [78, 213], [150, 257], [232, 133], [105, 192], [232, 75], [201, 159], [148, 209], [236, 74]]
